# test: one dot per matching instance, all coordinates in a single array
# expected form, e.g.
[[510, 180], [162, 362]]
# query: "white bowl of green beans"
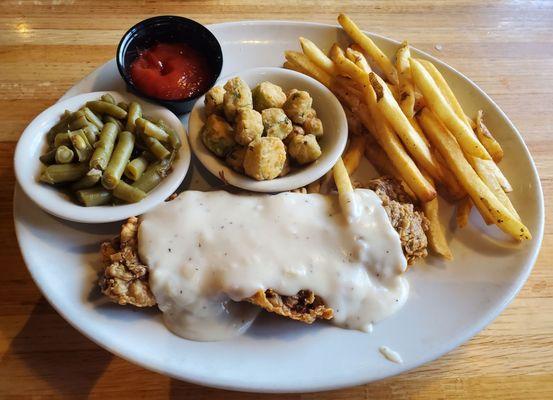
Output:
[[102, 157]]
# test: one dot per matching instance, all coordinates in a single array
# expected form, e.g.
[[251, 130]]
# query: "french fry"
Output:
[[435, 233], [445, 89], [482, 168], [436, 101], [354, 153], [369, 47], [359, 59], [355, 126], [352, 86], [445, 142], [345, 190], [345, 95], [412, 140], [463, 212], [317, 56], [295, 67], [314, 187], [486, 138], [393, 148], [406, 89], [454, 191], [378, 126], [419, 102], [304, 62]]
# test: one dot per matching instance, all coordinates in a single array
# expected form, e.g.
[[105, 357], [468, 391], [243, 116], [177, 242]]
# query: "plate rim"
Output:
[[514, 288]]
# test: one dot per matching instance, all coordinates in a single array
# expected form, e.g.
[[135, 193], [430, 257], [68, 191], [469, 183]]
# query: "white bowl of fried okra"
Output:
[[268, 130], [101, 157]]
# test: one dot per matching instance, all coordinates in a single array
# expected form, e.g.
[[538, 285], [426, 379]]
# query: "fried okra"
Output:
[[298, 105], [268, 95], [276, 123], [304, 149], [296, 130], [218, 135], [265, 158], [214, 101], [249, 126], [238, 95], [313, 126], [235, 159]]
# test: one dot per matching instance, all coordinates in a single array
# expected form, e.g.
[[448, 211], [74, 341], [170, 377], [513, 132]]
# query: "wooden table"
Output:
[[505, 47]]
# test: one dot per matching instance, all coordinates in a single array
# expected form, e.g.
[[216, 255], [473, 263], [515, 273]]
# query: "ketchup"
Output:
[[171, 71]]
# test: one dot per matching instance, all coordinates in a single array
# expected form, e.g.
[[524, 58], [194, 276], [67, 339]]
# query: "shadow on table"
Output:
[[63, 358]]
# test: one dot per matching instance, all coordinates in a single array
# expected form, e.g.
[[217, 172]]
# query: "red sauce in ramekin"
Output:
[[171, 71]]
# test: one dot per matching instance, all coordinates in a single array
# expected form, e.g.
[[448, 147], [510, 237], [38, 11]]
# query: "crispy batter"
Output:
[[125, 279], [304, 306], [406, 220]]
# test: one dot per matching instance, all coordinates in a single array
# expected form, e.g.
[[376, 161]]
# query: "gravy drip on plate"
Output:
[[208, 250]]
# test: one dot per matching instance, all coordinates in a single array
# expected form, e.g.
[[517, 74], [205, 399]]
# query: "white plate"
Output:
[[449, 303], [32, 144], [328, 110]]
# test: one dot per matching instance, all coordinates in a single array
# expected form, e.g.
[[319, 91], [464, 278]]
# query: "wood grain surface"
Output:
[[506, 47]]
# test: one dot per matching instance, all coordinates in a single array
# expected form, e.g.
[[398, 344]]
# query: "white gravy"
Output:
[[208, 250]]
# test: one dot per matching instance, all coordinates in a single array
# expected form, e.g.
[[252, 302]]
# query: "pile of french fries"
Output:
[[407, 122]]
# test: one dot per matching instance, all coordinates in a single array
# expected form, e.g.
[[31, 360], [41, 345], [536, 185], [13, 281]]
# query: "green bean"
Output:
[[81, 145], [152, 130], [155, 147], [174, 139], [62, 139], [123, 105], [78, 123], [128, 193], [108, 98], [136, 167], [104, 146], [150, 178], [48, 157], [119, 160], [64, 155], [109, 118], [103, 107], [91, 178], [134, 112], [60, 173], [93, 118], [63, 125], [96, 196], [154, 174], [91, 132]]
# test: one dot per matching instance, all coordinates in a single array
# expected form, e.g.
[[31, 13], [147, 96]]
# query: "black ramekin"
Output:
[[168, 29]]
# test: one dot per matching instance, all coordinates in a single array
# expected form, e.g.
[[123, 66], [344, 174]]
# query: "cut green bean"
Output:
[[108, 98], [60, 173], [64, 155], [109, 118], [119, 160], [104, 146], [81, 145], [91, 178], [92, 118], [174, 139], [61, 126], [48, 157], [152, 130], [150, 178], [128, 193], [96, 196], [134, 112], [155, 147], [91, 132], [104, 107], [123, 105], [62, 139], [78, 123], [135, 168]]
